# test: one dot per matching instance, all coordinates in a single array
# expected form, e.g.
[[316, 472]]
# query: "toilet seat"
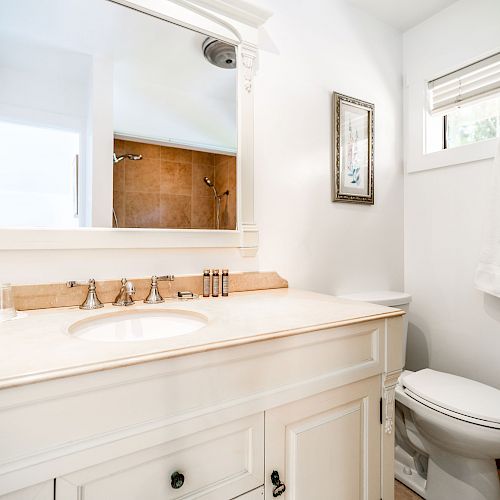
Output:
[[457, 397]]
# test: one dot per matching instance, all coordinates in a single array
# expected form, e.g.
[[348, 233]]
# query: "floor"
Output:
[[403, 493]]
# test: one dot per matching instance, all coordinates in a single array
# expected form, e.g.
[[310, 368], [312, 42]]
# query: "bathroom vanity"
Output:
[[278, 391]]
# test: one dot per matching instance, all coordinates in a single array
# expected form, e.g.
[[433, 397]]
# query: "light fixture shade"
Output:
[[219, 53]]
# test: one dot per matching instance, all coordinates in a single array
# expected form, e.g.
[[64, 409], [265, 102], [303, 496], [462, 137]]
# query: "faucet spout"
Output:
[[126, 293]]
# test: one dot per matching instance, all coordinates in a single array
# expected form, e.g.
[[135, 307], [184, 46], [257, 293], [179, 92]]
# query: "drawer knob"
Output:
[[177, 480], [279, 487]]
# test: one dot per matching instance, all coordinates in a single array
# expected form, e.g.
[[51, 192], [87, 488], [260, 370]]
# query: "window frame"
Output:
[[417, 125]]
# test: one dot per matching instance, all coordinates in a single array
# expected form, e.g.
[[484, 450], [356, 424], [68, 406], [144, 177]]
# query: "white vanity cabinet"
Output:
[[315, 406]]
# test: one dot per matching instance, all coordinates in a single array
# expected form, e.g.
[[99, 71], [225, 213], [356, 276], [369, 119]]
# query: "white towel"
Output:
[[487, 276]]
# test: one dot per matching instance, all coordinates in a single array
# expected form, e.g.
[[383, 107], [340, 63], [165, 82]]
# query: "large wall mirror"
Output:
[[114, 118]]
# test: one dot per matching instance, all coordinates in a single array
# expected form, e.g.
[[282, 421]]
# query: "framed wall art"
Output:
[[352, 169]]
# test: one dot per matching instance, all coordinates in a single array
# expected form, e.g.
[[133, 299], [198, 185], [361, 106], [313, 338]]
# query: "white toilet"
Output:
[[447, 428]]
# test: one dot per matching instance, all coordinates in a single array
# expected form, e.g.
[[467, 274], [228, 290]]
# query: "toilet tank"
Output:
[[400, 300]]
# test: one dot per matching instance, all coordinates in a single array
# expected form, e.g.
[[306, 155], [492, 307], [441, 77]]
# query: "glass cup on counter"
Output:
[[7, 308]]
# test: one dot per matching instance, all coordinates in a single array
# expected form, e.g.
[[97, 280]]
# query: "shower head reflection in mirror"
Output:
[[128, 156], [218, 198]]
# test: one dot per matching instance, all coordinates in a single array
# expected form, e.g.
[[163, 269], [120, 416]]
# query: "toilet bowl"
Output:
[[447, 430], [455, 422]]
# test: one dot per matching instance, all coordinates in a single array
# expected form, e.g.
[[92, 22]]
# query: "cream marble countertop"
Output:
[[37, 347]]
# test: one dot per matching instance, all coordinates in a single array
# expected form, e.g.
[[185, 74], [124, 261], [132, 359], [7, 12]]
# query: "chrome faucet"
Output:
[[154, 296], [92, 301], [125, 296]]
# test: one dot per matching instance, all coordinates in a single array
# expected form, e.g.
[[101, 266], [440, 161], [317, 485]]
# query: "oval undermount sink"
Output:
[[137, 325]]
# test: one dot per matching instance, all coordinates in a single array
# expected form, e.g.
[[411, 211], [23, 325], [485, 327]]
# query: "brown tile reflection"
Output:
[[119, 208], [119, 147], [202, 213], [142, 210], [148, 151], [203, 158], [119, 177], [221, 177], [231, 185], [220, 159], [166, 188], [142, 176], [175, 211], [176, 178], [176, 154], [225, 180], [231, 216]]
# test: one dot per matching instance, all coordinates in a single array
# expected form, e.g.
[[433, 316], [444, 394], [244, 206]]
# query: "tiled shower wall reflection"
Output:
[[166, 190]]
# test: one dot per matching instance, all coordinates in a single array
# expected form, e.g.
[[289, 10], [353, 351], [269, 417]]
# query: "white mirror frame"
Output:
[[237, 22]]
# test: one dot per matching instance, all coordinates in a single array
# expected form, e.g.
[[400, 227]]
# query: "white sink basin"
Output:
[[136, 325]]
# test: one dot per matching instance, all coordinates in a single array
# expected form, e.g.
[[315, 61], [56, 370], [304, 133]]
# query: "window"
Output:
[[464, 106], [472, 123], [38, 169]]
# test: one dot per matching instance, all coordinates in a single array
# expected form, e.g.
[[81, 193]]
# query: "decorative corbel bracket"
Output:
[[388, 398], [249, 63]]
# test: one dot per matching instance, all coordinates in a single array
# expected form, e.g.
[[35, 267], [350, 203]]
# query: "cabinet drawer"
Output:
[[219, 463]]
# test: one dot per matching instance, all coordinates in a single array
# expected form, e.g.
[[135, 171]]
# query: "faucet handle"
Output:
[[92, 300], [73, 284], [154, 296]]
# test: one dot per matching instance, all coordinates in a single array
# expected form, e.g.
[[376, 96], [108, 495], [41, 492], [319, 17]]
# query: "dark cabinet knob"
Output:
[[279, 487], [177, 480]]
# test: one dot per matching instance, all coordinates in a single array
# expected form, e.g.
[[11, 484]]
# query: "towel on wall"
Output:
[[487, 276]]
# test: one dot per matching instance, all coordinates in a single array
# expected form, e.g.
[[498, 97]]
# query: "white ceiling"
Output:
[[403, 14]]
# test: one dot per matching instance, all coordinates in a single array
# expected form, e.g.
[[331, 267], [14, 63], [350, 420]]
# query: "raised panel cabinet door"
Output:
[[326, 447], [42, 491], [220, 463]]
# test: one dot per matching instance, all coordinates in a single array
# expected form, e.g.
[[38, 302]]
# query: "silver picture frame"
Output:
[[353, 146]]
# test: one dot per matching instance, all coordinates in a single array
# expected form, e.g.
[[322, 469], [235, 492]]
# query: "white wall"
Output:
[[319, 47], [453, 326]]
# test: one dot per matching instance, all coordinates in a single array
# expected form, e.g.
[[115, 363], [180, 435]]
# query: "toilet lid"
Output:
[[459, 395]]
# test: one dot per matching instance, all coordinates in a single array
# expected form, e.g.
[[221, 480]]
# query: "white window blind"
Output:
[[465, 85]]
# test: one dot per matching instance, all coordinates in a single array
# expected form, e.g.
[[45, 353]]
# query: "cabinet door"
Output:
[[43, 491], [327, 446], [214, 464]]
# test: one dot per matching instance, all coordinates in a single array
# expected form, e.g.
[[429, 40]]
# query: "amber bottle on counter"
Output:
[[215, 283], [206, 283], [225, 282]]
